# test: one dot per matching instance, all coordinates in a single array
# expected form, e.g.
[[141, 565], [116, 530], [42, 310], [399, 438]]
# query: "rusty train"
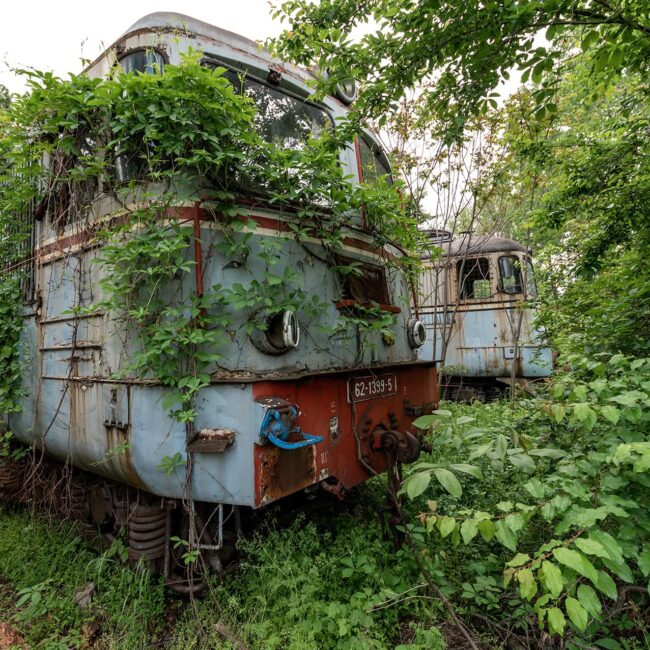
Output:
[[477, 305], [108, 436]]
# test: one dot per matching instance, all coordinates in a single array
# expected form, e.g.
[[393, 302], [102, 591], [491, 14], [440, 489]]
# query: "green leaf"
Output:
[[620, 569], [553, 579], [591, 547], [610, 413], [556, 621], [518, 560], [616, 57], [644, 562], [547, 453], [577, 613], [500, 446], [449, 481], [527, 584], [523, 462], [589, 600], [535, 488], [537, 72], [515, 521], [558, 412], [472, 470], [417, 484], [576, 561], [606, 585], [446, 525], [589, 39], [505, 536], [609, 644], [468, 530], [425, 421], [487, 529], [585, 414], [629, 398], [607, 541]]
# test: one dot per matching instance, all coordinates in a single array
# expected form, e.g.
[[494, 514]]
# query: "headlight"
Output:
[[346, 91], [281, 335], [416, 333]]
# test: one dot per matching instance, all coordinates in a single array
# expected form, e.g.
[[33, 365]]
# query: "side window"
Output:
[[531, 289], [373, 161], [510, 271], [474, 278], [367, 284], [145, 61]]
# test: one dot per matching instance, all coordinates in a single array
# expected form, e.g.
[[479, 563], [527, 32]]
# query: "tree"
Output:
[[577, 183], [465, 48]]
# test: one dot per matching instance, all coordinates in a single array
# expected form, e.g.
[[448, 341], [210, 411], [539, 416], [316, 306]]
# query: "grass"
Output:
[[319, 583], [45, 564]]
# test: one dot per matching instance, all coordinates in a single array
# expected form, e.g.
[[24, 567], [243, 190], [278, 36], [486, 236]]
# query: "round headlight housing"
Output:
[[346, 91], [416, 333], [281, 335]]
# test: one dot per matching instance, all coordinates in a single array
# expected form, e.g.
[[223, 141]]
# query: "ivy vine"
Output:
[[138, 148]]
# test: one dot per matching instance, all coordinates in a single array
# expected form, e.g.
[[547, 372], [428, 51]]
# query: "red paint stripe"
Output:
[[357, 151], [188, 214], [272, 223], [60, 245]]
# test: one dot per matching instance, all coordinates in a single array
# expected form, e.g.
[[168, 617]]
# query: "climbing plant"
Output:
[[146, 145], [13, 237]]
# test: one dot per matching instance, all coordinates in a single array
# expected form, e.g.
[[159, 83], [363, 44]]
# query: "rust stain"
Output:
[[284, 471], [119, 456]]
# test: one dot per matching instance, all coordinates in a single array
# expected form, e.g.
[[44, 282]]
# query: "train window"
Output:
[[510, 269], [282, 119], [531, 289], [367, 284], [144, 61], [373, 161], [474, 278]]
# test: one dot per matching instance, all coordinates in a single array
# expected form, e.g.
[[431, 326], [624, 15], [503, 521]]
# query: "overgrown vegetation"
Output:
[[532, 518], [43, 566]]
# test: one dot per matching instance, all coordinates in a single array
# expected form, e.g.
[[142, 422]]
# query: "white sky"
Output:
[[56, 34]]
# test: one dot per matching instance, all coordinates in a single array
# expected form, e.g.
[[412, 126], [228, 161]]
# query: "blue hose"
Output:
[[276, 431]]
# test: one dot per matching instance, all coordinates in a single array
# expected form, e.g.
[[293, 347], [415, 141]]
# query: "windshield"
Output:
[[531, 289], [510, 270], [282, 119]]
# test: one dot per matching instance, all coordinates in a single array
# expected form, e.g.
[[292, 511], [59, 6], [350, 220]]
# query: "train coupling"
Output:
[[403, 446]]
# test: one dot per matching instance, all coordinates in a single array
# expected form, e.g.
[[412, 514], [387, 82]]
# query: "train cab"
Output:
[[478, 305]]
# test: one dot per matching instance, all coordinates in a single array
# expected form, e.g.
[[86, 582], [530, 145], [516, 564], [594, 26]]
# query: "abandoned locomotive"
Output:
[[477, 304], [288, 406]]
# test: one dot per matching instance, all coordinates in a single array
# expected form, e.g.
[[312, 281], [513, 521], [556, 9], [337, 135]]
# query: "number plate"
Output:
[[371, 387]]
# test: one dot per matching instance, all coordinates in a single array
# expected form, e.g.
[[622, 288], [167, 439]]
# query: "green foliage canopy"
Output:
[[468, 48]]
